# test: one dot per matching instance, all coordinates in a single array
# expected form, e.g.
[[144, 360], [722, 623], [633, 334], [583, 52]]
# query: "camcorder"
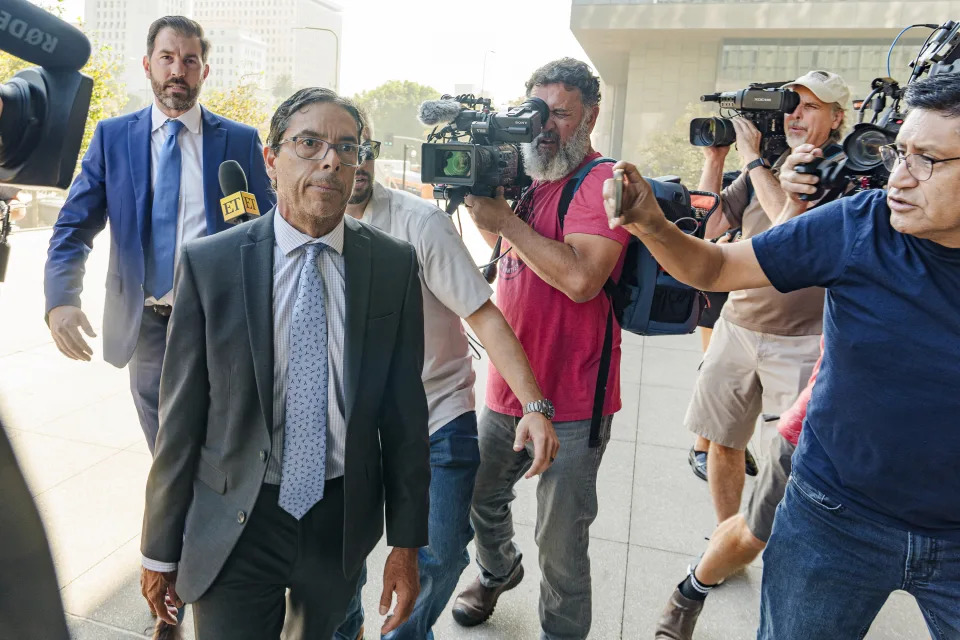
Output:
[[477, 150], [763, 104], [857, 164], [44, 108]]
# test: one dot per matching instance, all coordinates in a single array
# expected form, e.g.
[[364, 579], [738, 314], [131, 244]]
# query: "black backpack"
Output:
[[646, 300]]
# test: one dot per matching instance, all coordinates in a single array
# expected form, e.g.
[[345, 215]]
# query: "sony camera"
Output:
[[764, 104], [857, 165], [477, 150]]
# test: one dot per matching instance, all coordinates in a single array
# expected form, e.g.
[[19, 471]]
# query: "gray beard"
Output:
[[548, 168]]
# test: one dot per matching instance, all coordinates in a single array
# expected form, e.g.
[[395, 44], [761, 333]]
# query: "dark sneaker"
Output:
[[751, 467], [679, 618], [698, 462], [476, 603]]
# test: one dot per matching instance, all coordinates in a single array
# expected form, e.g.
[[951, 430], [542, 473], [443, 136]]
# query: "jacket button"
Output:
[[263, 456], [241, 517]]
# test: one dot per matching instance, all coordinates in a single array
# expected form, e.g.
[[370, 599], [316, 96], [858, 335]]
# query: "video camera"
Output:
[[858, 162], [489, 158], [44, 110], [763, 104]]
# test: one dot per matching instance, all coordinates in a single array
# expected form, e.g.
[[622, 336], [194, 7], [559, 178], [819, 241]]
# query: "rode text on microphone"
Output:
[[44, 109]]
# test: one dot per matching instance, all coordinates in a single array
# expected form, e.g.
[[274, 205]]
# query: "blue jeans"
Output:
[[454, 459], [827, 571]]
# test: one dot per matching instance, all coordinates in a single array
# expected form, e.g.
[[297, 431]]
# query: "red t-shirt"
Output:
[[562, 338], [791, 420]]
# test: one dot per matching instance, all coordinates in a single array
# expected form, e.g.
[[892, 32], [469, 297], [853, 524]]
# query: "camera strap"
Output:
[[606, 352]]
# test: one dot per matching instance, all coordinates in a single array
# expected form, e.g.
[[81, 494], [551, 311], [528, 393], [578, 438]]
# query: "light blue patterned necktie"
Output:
[[164, 213], [303, 471]]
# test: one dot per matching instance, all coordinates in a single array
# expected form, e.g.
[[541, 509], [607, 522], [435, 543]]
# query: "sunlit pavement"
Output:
[[76, 434]]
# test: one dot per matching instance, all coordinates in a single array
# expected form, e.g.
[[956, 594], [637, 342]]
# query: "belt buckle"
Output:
[[162, 310]]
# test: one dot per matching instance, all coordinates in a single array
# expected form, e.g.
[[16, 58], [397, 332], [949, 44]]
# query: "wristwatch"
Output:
[[759, 162], [540, 406]]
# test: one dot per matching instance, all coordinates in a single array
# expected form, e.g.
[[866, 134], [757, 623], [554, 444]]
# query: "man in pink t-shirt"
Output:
[[550, 290]]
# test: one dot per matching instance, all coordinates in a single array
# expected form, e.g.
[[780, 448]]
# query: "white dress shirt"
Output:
[[191, 213], [288, 256], [452, 288]]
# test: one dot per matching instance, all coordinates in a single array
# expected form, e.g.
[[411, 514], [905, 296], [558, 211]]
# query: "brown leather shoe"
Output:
[[476, 603], [679, 618], [360, 635]]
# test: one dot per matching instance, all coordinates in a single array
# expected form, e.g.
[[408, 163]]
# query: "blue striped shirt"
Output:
[[288, 255]]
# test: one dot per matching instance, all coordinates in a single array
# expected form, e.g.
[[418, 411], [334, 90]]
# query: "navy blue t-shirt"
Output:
[[882, 433]]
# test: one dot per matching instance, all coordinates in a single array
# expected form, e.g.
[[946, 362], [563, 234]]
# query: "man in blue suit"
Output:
[[153, 175]]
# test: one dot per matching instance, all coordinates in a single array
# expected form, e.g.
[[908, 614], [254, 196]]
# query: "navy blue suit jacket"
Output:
[[114, 185]]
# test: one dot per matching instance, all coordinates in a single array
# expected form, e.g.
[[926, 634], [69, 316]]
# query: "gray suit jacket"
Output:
[[216, 406]]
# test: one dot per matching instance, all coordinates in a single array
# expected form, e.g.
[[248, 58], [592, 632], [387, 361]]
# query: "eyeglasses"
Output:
[[369, 150], [310, 148], [919, 166]]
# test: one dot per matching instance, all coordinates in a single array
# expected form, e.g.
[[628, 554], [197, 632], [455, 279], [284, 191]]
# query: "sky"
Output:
[[441, 43]]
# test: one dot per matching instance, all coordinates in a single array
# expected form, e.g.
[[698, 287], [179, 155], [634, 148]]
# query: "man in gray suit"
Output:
[[294, 354]]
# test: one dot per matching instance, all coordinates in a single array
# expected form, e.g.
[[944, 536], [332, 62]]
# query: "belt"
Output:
[[162, 310]]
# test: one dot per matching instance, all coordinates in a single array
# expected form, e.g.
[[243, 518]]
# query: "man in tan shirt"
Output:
[[765, 343]]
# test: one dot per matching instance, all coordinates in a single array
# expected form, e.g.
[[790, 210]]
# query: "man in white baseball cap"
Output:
[[761, 354], [828, 88]]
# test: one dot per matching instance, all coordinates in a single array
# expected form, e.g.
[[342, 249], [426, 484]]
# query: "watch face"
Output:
[[548, 409]]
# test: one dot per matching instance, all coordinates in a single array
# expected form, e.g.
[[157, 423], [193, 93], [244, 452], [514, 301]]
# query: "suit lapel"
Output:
[[214, 151], [138, 150], [256, 259], [358, 265]]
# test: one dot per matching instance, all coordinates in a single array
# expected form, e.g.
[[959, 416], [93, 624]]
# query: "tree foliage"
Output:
[[242, 104], [393, 107], [282, 87], [670, 152]]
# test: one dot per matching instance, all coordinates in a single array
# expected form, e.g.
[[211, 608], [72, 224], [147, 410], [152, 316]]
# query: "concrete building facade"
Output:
[[656, 57], [238, 57], [258, 40], [302, 37]]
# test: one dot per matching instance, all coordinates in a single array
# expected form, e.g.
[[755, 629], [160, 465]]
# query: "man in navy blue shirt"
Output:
[[873, 504]]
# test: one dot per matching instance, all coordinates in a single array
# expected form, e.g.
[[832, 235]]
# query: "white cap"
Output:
[[828, 87]]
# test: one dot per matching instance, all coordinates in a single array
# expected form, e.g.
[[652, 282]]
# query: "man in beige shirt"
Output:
[[765, 343], [453, 289]]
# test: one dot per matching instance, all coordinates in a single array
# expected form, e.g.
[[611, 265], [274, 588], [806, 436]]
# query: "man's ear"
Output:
[[146, 66], [270, 160], [594, 114]]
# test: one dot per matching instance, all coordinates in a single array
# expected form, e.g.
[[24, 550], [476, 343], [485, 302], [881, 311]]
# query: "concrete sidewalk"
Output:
[[76, 435]]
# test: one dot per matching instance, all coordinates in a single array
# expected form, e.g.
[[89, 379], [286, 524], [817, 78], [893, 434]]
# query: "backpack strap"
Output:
[[606, 353], [570, 189]]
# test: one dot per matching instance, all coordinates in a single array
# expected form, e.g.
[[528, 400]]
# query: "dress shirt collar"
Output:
[[290, 239], [190, 119]]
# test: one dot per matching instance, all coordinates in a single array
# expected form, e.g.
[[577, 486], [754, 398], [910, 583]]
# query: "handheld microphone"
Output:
[[433, 112], [237, 205], [32, 34]]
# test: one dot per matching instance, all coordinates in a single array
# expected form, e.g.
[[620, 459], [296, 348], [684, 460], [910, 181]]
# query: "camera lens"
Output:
[[456, 164], [712, 132], [863, 147]]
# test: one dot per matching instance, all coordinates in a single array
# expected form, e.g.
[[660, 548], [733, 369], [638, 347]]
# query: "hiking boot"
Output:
[[679, 618], [476, 603]]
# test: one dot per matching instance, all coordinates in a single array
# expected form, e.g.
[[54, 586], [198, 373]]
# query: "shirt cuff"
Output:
[[160, 567]]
